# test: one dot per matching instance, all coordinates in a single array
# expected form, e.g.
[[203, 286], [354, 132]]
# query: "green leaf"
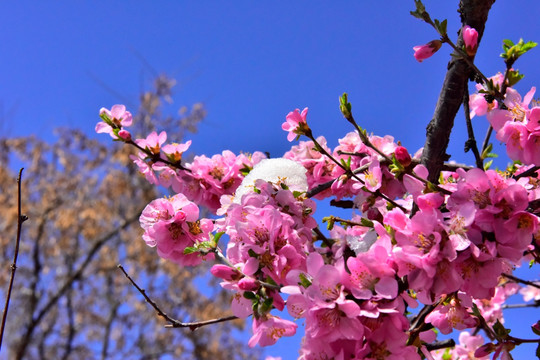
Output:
[[190, 250], [304, 281], [486, 151], [245, 170], [476, 311], [513, 77], [266, 306], [215, 238], [487, 165], [297, 194], [366, 222], [500, 330], [447, 355], [513, 51], [345, 106], [250, 295], [107, 120], [420, 10]]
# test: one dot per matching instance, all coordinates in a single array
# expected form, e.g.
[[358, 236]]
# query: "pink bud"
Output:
[[484, 350], [403, 156], [224, 272], [423, 52], [124, 134], [470, 37], [248, 284]]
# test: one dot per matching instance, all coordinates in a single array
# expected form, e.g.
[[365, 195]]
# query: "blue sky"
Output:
[[249, 62]]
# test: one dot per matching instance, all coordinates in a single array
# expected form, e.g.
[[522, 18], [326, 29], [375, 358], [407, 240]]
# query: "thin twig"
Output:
[[20, 219], [518, 280], [173, 323], [521, 306], [471, 141]]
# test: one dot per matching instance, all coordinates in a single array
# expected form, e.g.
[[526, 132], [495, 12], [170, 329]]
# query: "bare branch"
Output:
[[20, 219], [173, 322]]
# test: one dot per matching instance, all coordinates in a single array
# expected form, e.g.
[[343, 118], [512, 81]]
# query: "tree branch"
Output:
[[173, 322], [20, 219], [473, 13]]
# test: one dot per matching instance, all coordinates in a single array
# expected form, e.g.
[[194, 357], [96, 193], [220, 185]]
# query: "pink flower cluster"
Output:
[[516, 124], [171, 225], [444, 246]]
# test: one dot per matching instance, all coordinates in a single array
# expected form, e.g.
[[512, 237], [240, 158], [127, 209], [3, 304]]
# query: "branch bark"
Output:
[[473, 13]]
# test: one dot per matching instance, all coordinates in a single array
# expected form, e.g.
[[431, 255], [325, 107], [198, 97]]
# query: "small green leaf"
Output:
[[513, 77], [190, 250], [366, 222], [487, 165], [266, 306], [486, 151], [345, 106], [447, 355], [500, 330], [250, 295], [215, 238], [304, 281], [330, 221]]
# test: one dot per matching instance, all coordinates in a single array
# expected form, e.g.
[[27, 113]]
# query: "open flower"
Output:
[[296, 123]]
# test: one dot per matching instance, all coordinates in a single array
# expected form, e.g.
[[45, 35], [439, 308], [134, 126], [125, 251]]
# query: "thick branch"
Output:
[[473, 13]]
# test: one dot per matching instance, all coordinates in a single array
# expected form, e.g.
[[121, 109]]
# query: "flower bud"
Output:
[[470, 37], [224, 272], [124, 134], [248, 284], [423, 52], [484, 350], [403, 156]]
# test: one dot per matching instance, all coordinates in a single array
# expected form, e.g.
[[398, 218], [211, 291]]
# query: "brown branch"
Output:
[[518, 280], [521, 306], [448, 343], [470, 144], [173, 323], [473, 13], [20, 219]]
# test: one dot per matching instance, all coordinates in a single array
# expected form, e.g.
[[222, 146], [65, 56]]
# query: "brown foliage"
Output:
[[70, 300]]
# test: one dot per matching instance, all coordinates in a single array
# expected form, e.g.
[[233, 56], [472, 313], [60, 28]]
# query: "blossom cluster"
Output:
[[450, 247], [428, 245]]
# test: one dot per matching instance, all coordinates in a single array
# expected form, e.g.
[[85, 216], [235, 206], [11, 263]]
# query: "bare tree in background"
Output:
[[70, 300]]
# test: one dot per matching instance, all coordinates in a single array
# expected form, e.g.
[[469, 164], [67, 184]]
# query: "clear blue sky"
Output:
[[250, 62]]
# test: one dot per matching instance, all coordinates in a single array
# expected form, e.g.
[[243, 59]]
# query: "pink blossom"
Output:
[[116, 119], [422, 52], [268, 330], [174, 151], [295, 123], [153, 142], [530, 293]]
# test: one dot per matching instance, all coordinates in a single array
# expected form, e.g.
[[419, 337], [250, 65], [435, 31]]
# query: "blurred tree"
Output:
[[70, 300]]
